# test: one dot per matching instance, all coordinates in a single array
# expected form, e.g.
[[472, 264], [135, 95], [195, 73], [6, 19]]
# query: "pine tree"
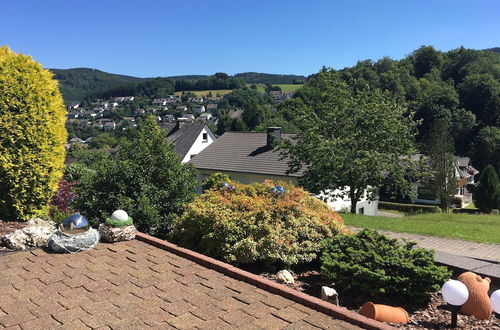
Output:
[[487, 194]]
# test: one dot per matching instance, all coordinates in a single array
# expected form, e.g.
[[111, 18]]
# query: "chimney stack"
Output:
[[273, 135]]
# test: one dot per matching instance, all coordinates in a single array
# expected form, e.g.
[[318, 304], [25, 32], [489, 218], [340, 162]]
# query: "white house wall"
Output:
[[199, 144]]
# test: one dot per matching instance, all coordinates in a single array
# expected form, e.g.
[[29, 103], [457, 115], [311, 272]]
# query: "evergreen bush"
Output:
[[381, 268], [245, 224], [487, 194], [32, 136], [145, 178]]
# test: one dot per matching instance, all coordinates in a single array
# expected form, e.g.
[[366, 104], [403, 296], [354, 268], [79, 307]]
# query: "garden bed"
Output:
[[434, 315]]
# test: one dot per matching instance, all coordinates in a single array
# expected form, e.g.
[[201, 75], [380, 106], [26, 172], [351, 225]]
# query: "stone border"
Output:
[[319, 305]]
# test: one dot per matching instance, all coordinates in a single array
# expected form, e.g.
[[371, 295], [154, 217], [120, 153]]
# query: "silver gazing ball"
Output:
[[74, 224]]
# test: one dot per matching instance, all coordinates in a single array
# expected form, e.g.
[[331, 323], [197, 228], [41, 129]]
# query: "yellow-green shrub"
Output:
[[32, 136], [250, 224]]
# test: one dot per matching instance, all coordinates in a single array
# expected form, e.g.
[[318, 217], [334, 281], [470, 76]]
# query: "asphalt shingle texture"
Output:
[[244, 152], [133, 285]]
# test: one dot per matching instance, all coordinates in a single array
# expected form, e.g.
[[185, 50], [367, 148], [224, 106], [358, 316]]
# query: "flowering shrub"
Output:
[[244, 224]]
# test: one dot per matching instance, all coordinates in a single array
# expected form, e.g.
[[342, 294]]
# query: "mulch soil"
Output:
[[434, 315]]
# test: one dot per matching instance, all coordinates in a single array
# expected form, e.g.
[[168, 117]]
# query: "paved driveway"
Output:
[[133, 285]]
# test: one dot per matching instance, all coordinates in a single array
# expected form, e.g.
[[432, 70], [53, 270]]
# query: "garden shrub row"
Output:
[[409, 208]]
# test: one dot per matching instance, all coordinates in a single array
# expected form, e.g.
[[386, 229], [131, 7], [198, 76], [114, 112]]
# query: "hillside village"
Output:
[[165, 110]]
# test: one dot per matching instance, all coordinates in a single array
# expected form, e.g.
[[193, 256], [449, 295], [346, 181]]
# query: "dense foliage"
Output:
[[381, 268], [251, 224], [32, 136], [461, 86], [350, 137], [487, 194], [145, 178]]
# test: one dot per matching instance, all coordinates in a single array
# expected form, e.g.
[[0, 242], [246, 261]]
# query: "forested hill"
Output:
[[77, 83]]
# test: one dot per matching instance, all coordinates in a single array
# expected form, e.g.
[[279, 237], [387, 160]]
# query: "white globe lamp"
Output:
[[495, 301], [456, 294]]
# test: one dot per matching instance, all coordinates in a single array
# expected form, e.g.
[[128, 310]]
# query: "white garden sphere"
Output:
[[495, 301], [119, 215], [455, 293]]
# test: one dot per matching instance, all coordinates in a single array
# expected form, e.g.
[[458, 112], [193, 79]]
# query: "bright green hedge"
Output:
[[32, 136], [409, 208]]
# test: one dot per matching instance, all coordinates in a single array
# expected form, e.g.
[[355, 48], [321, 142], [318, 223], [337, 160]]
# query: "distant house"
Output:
[[109, 126], [138, 112], [181, 108], [73, 114], [159, 102], [195, 99], [465, 175], [277, 96], [214, 99], [169, 118], [186, 118], [124, 99], [235, 114], [199, 109], [189, 139], [74, 106], [287, 95], [205, 117], [250, 157], [212, 106]]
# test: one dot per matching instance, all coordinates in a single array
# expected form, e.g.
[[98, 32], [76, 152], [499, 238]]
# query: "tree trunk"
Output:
[[354, 200]]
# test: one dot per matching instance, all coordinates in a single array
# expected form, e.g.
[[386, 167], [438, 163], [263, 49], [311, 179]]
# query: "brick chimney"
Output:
[[273, 135]]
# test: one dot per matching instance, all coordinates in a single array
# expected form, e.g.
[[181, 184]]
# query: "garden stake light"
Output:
[[455, 293]]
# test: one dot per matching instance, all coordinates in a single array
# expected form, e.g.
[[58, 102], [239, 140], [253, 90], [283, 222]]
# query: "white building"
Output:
[[189, 139], [249, 157]]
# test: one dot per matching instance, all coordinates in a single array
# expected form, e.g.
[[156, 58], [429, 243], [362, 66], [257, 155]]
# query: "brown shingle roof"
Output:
[[243, 152]]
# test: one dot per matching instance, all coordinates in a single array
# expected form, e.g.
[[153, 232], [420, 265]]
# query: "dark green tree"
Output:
[[442, 162], [351, 137], [487, 194], [145, 178]]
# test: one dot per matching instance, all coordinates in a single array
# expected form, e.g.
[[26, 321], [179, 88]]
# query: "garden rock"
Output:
[[285, 276], [63, 243], [35, 234], [330, 295], [113, 234]]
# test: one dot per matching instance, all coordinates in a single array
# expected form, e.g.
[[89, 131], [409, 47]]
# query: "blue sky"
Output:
[[160, 37]]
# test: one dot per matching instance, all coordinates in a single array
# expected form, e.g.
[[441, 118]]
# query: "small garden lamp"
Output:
[[455, 293], [495, 301]]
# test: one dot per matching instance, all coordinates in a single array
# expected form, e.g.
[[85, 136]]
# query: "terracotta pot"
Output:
[[384, 313], [478, 304]]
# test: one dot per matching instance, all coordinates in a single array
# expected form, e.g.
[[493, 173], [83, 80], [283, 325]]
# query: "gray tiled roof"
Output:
[[182, 136], [243, 152]]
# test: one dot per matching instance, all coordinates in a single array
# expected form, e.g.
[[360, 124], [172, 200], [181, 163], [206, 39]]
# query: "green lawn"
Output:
[[214, 92], [284, 87], [470, 227]]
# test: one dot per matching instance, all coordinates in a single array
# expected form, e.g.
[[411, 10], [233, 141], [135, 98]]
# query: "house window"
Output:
[[426, 193], [205, 137], [462, 191], [361, 210]]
